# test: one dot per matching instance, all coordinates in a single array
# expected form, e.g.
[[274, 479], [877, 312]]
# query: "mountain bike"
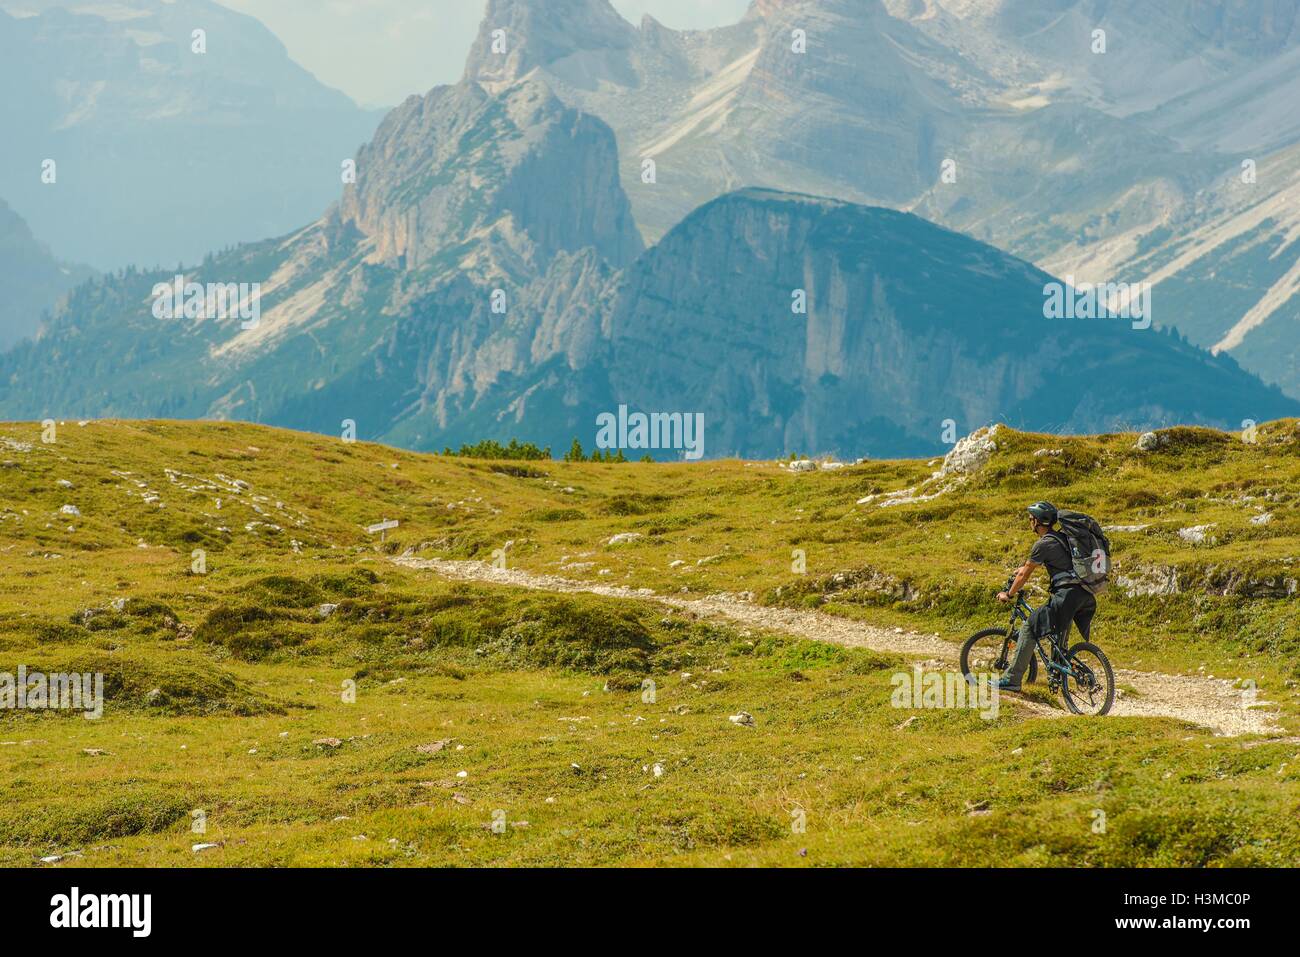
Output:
[[1082, 674]]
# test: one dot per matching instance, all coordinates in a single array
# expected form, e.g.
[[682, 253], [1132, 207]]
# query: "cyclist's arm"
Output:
[[1022, 576]]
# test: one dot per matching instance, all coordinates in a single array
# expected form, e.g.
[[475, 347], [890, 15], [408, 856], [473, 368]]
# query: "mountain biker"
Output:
[[1071, 601]]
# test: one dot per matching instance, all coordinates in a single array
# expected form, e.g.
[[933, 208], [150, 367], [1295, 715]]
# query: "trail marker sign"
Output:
[[382, 528]]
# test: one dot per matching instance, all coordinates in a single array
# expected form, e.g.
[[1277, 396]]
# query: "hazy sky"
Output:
[[380, 51]]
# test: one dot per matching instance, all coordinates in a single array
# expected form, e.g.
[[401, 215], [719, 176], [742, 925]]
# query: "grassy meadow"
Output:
[[278, 688]]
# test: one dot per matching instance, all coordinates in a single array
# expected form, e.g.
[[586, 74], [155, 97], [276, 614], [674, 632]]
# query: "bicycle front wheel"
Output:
[[990, 652], [1089, 685]]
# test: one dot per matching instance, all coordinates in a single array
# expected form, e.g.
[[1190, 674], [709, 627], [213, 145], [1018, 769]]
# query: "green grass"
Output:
[[218, 684]]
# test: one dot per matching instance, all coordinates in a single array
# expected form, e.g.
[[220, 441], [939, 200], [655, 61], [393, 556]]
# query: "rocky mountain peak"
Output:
[[517, 36], [768, 8], [461, 162]]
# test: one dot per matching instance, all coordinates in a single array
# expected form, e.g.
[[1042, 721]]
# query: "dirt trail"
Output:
[[1213, 703]]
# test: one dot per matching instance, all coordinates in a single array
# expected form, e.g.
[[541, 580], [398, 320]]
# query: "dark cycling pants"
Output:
[[1073, 603]]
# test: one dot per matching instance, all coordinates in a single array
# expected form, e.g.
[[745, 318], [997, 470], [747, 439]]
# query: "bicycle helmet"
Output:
[[1044, 512]]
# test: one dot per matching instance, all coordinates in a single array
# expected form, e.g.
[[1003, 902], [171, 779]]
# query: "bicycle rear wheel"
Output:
[[1090, 689], [990, 652]]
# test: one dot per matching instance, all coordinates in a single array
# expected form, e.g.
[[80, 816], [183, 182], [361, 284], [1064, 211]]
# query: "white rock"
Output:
[[1148, 442], [324, 611], [1263, 519], [745, 719], [624, 537], [803, 465], [1197, 534], [70, 510], [199, 848], [1149, 580], [971, 452]]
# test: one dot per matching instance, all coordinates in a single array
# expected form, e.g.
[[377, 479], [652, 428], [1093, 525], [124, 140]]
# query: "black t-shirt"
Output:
[[1052, 552]]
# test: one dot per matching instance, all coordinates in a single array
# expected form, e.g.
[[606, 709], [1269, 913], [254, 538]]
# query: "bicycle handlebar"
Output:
[[1019, 598]]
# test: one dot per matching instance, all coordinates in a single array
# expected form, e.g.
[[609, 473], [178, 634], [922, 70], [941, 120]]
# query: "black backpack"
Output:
[[1089, 550]]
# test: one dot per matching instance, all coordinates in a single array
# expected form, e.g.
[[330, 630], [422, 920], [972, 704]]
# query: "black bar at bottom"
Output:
[[334, 906]]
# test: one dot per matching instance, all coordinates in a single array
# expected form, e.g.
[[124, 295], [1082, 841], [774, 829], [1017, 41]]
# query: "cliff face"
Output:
[[885, 350], [460, 163]]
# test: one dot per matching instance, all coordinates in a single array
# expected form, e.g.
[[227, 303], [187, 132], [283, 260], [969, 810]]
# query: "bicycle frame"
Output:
[[1056, 663], [1021, 610]]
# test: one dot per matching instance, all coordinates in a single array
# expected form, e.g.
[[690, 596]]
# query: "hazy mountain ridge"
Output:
[[210, 149], [31, 279]]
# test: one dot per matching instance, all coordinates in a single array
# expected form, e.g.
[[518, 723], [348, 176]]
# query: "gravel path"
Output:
[[1210, 702]]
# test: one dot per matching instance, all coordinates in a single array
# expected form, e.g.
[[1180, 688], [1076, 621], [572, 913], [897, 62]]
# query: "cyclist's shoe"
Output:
[[1006, 684]]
